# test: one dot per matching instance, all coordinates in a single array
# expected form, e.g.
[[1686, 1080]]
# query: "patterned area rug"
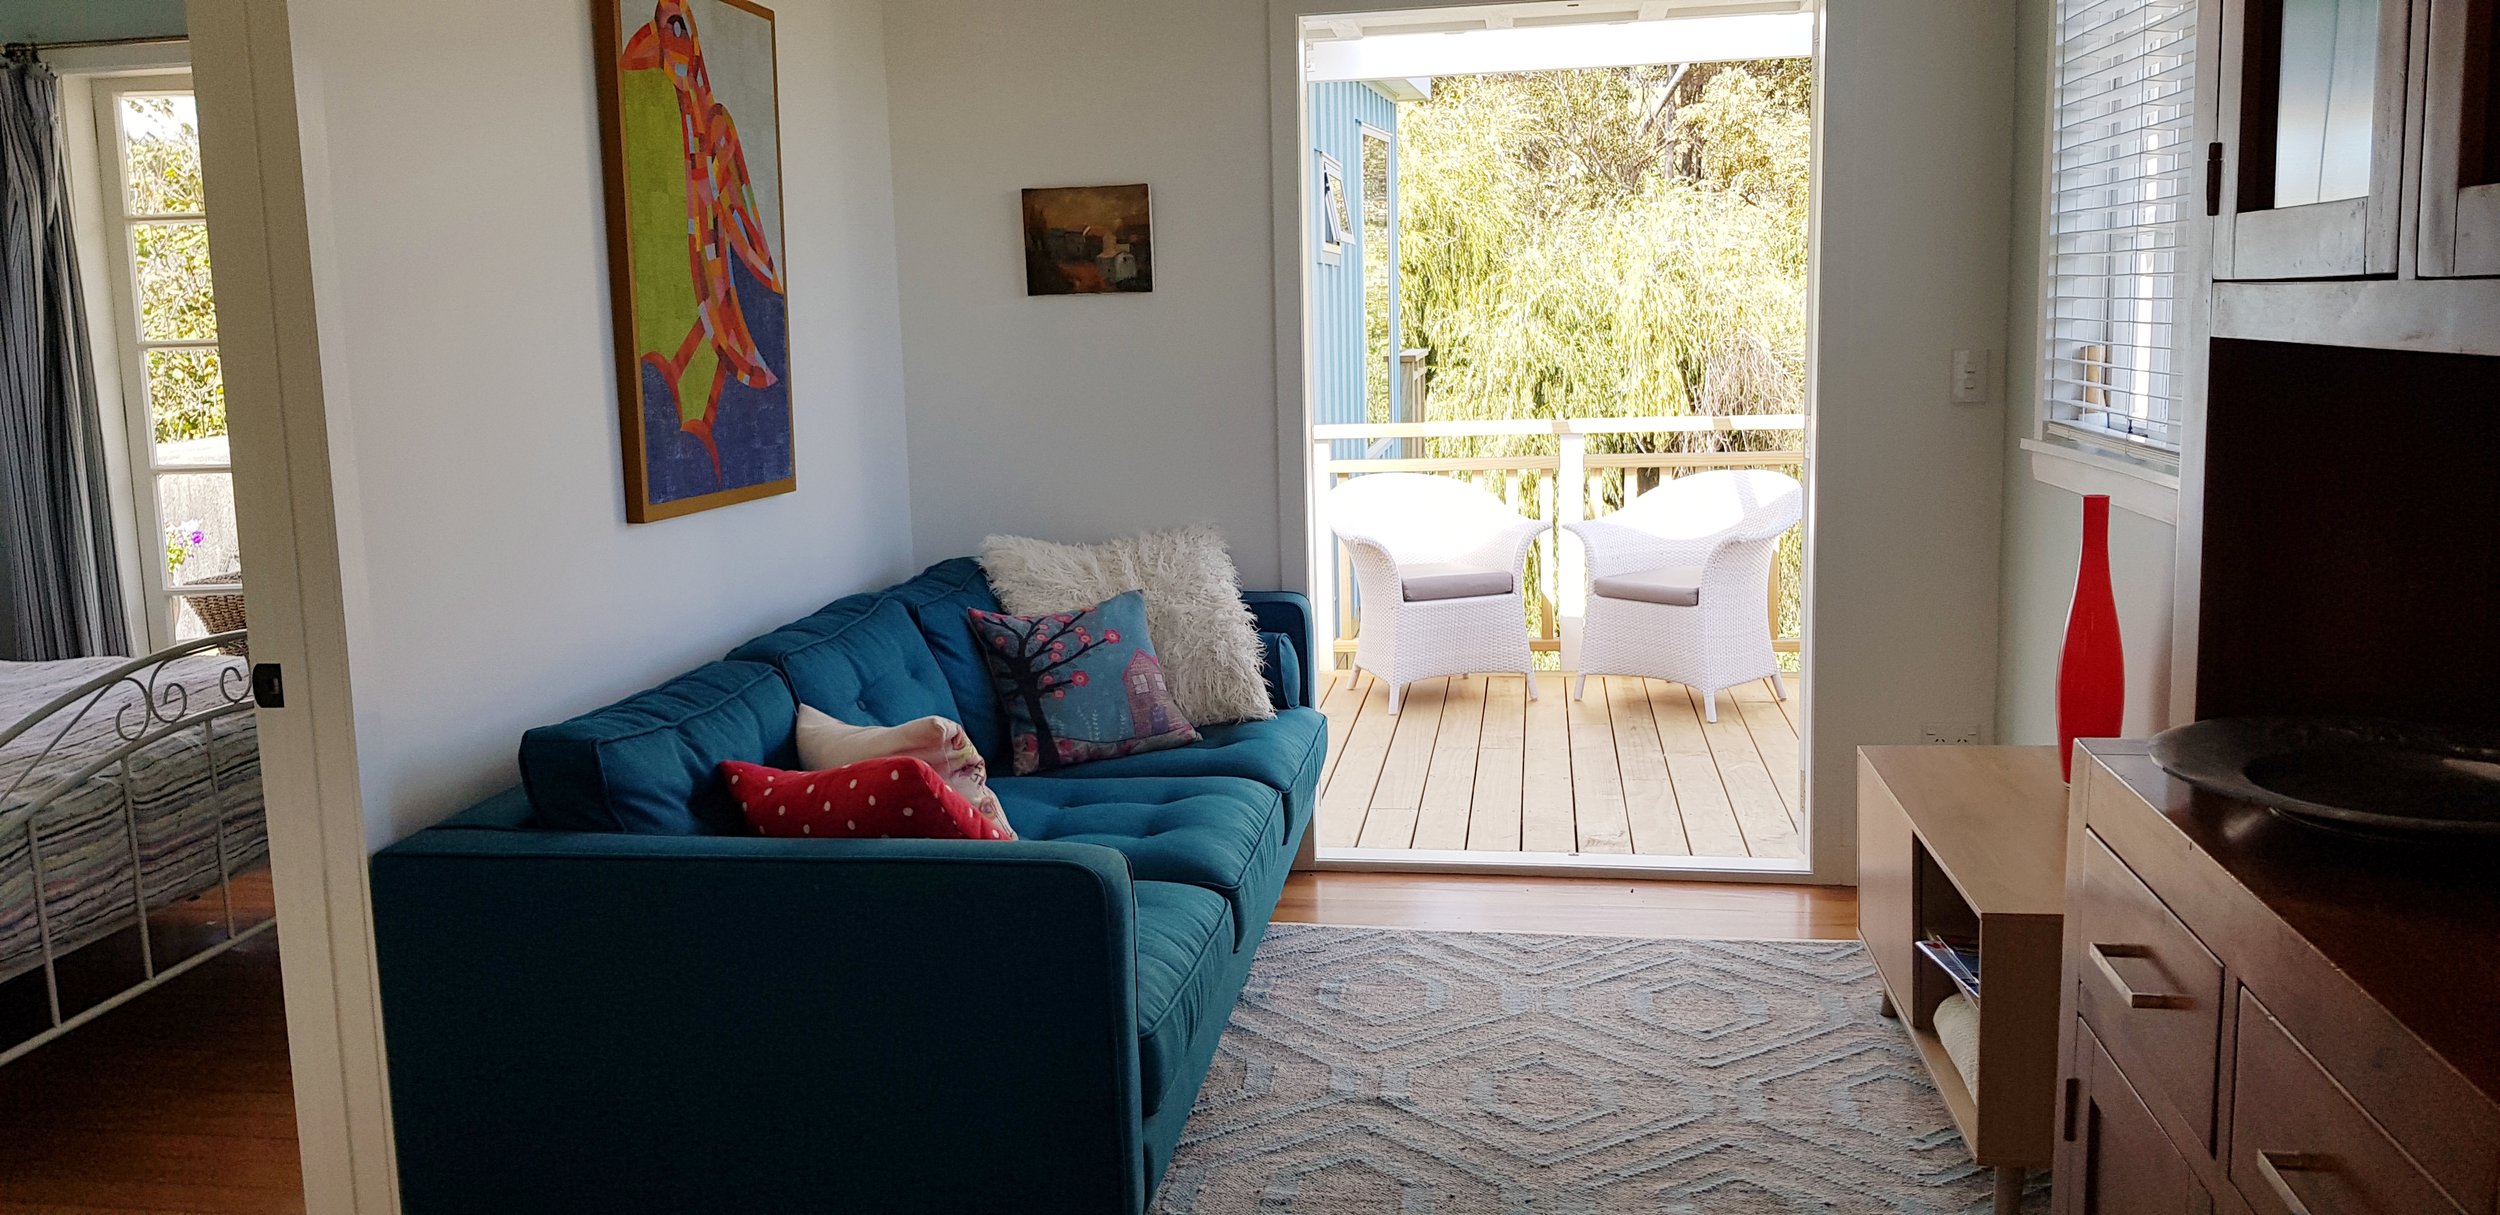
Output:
[[1437, 1073]]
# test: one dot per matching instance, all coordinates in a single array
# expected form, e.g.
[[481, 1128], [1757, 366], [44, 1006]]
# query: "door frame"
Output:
[[1304, 565], [261, 151]]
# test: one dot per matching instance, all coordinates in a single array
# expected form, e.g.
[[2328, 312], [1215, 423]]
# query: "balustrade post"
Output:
[[1571, 506], [1323, 587]]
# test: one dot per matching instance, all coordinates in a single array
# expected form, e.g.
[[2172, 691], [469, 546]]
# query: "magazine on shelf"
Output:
[[1958, 958]]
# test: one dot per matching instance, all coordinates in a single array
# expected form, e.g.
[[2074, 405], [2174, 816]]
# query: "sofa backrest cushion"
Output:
[[860, 659], [649, 764], [938, 598]]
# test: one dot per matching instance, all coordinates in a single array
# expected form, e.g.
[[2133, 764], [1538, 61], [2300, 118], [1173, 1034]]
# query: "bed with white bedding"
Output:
[[121, 781]]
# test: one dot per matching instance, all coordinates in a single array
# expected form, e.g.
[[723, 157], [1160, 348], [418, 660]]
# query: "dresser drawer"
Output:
[[2147, 988], [2299, 1146]]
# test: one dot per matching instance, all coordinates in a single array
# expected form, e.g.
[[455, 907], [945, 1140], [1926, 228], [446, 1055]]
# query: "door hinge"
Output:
[[2213, 178], [268, 686], [2074, 1096]]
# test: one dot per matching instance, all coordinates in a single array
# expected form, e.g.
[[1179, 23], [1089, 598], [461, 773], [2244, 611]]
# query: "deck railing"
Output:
[[1568, 485]]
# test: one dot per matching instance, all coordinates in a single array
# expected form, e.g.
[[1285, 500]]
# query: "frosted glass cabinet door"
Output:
[[2323, 90], [2313, 131], [2460, 234]]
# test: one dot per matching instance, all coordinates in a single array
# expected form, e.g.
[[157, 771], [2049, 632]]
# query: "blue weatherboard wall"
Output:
[[1337, 113]]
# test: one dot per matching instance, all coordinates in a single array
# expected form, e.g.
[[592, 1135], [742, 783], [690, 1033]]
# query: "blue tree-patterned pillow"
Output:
[[1081, 685]]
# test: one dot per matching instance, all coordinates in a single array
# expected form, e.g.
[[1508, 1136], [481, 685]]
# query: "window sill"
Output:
[[2131, 487]]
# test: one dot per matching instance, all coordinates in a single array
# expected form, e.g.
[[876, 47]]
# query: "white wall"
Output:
[[493, 581], [2044, 524], [1915, 157], [1080, 417]]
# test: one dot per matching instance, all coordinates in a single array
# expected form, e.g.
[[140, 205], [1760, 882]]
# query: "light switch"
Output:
[[1970, 377]]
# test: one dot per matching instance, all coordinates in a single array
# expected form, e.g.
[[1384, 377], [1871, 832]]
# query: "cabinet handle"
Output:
[[2101, 954], [2272, 1166]]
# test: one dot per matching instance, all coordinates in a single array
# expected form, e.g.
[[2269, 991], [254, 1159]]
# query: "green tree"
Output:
[[1606, 243]]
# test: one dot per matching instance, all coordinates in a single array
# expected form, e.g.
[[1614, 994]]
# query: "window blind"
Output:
[[2123, 165]]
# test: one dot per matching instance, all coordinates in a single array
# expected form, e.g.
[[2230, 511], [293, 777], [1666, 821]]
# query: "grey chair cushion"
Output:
[[1673, 585], [1421, 582]]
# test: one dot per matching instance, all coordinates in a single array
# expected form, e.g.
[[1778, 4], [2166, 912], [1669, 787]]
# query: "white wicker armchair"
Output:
[[1679, 582], [1441, 566]]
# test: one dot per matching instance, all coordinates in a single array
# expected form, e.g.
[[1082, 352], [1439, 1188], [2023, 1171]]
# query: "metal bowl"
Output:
[[2366, 774]]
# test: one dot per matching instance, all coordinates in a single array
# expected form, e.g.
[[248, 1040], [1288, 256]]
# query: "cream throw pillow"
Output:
[[827, 742], [1203, 633]]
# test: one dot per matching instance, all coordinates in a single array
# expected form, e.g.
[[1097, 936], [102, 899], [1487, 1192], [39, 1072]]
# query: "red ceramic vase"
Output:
[[2092, 669]]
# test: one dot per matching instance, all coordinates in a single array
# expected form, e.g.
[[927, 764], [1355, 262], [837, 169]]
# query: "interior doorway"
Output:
[[1556, 267], [140, 982]]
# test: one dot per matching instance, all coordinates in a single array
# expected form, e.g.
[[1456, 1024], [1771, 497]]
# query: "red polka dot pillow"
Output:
[[896, 797]]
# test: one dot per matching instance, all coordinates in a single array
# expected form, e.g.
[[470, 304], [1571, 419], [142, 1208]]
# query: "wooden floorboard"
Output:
[[1756, 800], [1465, 903], [1450, 785], [1472, 764], [1776, 742], [1348, 798], [1339, 700], [1596, 778], [180, 1100], [1648, 796], [1493, 825], [1545, 774], [1709, 820], [1399, 794]]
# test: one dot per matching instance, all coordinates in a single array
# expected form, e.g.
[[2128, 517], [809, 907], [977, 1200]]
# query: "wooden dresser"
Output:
[[2267, 1017]]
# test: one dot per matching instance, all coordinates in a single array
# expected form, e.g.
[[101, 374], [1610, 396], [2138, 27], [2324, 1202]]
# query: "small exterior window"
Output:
[[2123, 172], [164, 330]]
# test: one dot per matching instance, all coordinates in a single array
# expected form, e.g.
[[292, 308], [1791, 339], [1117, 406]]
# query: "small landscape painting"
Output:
[[690, 109], [1087, 240]]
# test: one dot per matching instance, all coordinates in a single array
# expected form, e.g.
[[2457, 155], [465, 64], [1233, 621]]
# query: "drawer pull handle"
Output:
[[2101, 954], [2272, 1166]]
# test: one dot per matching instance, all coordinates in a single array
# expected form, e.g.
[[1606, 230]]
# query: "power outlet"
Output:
[[1950, 733]]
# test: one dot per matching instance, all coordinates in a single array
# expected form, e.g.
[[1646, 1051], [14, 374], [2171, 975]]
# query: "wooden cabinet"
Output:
[[2313, 129], [2148, 986], [2299, 1144], [2264, 1018], [2460, 234], [2113, 1158]]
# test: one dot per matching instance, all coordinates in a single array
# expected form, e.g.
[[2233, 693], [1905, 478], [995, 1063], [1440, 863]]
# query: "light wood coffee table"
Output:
[[1971, 842]]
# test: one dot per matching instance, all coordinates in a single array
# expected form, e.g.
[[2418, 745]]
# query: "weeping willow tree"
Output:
[[1608, 243], [1594, 242]]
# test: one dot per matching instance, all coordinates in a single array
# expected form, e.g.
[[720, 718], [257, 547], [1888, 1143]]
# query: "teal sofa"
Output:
[[600, 994]]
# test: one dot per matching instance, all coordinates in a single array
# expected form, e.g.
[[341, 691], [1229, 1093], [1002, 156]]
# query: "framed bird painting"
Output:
[[690, 119]]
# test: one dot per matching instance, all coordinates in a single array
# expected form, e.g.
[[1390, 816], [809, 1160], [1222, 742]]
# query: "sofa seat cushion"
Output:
[[860, 659], [1184, 941], [1671, 585], [650, 763], [938, 597], [1216, 833], [1429, 581], [1275, 753]]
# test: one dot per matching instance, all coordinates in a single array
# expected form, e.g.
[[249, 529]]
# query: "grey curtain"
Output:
[[60, 587]]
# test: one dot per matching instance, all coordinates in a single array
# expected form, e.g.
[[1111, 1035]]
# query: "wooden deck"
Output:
[[1471, 764]]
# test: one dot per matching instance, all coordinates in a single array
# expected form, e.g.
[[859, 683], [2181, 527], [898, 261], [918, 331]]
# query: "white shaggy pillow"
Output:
[[1203, 633]]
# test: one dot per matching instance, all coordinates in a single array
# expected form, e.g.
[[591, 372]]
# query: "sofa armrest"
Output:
[[1289, 612], [633, 1023]]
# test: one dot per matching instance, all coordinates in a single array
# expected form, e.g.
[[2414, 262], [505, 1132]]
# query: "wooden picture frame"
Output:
[[690, 134]]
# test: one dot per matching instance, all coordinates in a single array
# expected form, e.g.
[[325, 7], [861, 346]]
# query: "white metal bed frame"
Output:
[[159, 711]]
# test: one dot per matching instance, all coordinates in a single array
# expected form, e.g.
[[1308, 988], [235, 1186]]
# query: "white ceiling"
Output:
[[1418, 44], [1537, 14]]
